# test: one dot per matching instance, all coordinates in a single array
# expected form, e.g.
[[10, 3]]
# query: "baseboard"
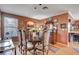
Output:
[[66, 45]]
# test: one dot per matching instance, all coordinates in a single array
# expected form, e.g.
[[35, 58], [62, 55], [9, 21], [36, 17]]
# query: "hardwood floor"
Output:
[[65, 50], [57, 49]]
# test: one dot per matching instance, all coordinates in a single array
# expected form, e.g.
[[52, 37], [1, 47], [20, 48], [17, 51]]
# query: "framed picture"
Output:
[[63, 26]]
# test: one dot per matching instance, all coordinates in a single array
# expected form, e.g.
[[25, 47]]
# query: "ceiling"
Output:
[[38, 13]]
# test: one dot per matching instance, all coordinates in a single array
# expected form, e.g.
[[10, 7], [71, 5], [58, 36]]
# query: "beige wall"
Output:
[[0, 24], [62, 35]]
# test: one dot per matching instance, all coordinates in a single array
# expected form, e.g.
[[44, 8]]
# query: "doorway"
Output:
[[74, 40]]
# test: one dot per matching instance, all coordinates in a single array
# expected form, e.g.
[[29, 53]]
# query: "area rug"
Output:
[[76, 49], [54, 49]]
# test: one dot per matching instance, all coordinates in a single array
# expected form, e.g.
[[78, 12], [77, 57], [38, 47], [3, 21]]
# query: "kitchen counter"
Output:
[[6, 45], [76, 32]]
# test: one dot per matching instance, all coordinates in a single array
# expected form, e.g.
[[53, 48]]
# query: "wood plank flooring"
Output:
[[57, 49]]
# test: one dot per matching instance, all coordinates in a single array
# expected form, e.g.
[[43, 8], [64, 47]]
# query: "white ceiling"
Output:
[[39, 13]]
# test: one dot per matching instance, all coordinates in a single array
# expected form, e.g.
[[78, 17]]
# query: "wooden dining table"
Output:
[[34, 42]]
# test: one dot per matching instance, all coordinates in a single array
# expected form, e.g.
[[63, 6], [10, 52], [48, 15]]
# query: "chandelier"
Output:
[[42, 7]]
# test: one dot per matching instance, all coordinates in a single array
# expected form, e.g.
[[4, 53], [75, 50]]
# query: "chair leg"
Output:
[[26, 52], [47, 52], [19, 48], [43, 47], [43, 50], [15, 50], [34, 51]]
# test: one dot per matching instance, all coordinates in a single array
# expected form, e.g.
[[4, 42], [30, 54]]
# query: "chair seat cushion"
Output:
[[29, 45]]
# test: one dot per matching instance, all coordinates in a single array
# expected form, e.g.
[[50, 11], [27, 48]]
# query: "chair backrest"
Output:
[[41, 35], [23, 37], [46, 37], [20, 36]]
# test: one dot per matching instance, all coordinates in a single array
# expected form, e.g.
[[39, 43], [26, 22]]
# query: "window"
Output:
[[10, 27]]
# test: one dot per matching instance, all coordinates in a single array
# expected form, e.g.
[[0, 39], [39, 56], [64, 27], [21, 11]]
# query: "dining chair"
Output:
[[24, 44], [40, 44], [28, 45], [46, 41], [20, 45]]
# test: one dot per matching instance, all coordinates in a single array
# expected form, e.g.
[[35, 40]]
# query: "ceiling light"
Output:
[[45, 7], [35, 7], [40, 4], [41, 7]]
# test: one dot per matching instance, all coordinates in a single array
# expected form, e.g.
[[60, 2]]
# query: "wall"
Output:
[[0, 24], [62, 35], [76, 23], [22, 21]]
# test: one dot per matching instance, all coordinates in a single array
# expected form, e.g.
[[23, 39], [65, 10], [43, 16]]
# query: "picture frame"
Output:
[[63, 26]]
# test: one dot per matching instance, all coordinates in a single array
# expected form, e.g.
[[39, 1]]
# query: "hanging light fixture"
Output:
[[30, 23], [40, 4], [42, 7], [45, 7]]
